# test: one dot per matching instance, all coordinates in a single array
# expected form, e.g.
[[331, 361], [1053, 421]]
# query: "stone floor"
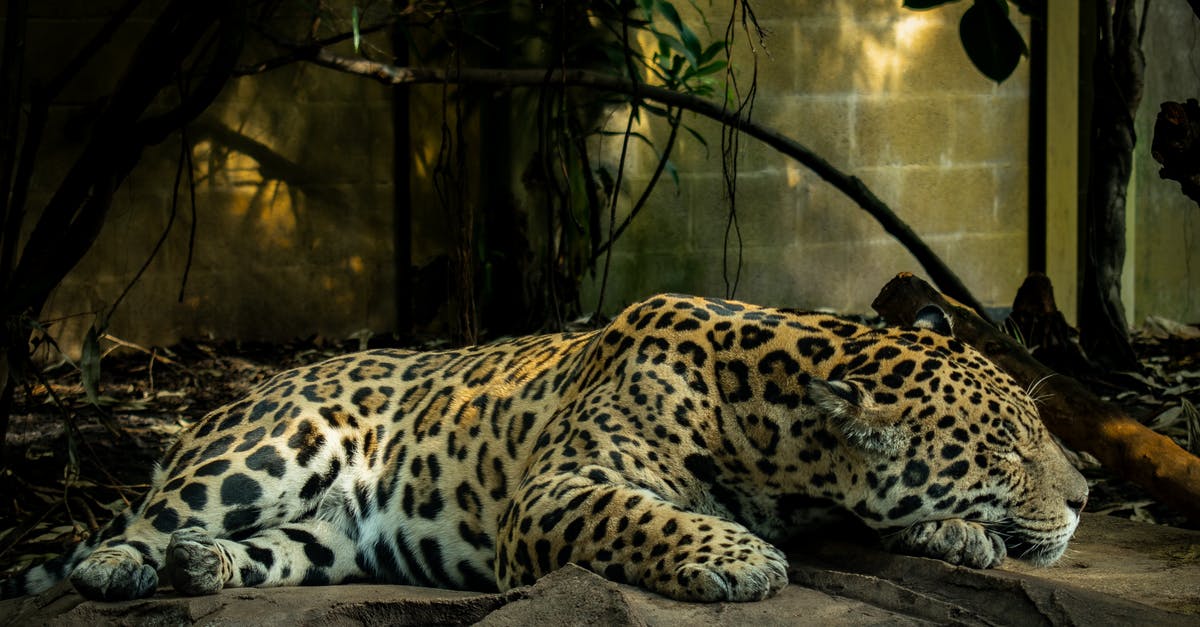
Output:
[[1116, 572]]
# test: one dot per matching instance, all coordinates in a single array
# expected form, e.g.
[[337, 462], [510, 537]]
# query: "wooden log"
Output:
[[1069, 410], [1041, 327]]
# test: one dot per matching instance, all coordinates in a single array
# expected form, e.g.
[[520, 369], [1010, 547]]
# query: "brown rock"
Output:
[[1116, 572]]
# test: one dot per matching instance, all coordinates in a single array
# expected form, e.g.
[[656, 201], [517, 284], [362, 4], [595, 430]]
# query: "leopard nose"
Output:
[[1076, 505]]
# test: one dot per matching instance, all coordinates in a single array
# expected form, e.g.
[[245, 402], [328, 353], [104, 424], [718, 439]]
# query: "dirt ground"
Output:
[[65, 472]]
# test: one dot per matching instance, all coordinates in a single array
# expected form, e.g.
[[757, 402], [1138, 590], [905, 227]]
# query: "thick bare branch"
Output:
[[851, 186]]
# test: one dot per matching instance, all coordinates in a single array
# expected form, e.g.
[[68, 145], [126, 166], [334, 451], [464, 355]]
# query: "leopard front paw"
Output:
[[750, 574], [114, 575], [954, 540], [194, 564]]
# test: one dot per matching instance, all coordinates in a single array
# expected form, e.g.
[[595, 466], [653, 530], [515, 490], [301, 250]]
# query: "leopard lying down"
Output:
[[670, 450]]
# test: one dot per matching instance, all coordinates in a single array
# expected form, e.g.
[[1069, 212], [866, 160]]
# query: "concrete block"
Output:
[[635, 276], [691, 155], [663, 223], [988, 129], [811, 276], [824, 55], [823, 124], [846, 276], [903, 131], [336, 142], [765, 207], [828, 215], [946, 200], [929, 57], [776, 68], [1012, 197], [991, 265], [378, 147], [819, 11]]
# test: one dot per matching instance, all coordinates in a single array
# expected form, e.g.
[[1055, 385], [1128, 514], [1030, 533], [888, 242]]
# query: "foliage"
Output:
[[988, 36], [537, 242]]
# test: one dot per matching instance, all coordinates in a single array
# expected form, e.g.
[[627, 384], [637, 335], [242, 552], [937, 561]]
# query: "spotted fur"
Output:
[[671, 449]]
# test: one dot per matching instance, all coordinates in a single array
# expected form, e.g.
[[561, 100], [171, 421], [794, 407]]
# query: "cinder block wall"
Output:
[[881, 92], [884, 93]]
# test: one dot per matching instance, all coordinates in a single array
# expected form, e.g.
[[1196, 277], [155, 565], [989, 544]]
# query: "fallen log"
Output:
[[1044, 331], [1069, 410]]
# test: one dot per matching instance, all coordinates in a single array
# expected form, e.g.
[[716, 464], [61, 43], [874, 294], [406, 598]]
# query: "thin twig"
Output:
[[191, 172], [616, 195], [650, 185]]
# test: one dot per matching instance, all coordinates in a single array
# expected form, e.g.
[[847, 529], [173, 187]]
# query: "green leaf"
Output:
[[699, 138], [633, 134], [666, 43], [655, 109], [711, 51], [691, 43], [992, 42], [606, 180], [715, 66], [1033, 8], [676, 66], [354, 27], [920, 5], [674, 174]]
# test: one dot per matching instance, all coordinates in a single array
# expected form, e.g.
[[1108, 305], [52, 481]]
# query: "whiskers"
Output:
[[1035, 390], [1040, 547]]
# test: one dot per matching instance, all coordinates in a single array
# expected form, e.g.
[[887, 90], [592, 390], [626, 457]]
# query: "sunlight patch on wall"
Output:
[[266, 211], [217, 165], [794, 176], [277, 214], [887, 59]]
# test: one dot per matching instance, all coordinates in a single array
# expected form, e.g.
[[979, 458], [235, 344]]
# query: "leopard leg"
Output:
[[307, 553], [121, 564], [953, 540], [119, 572], [593, 518]]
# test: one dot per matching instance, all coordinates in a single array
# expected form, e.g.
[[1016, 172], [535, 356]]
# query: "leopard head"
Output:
[[939, 432]]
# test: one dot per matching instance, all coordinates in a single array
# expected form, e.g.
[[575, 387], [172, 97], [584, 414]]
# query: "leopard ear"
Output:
[[933, 318], [854, 413]]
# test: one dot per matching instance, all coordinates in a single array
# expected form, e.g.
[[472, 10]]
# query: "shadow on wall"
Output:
[[283, 246]]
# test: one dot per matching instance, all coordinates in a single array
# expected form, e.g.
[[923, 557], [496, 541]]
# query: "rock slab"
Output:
[[1116, 573]]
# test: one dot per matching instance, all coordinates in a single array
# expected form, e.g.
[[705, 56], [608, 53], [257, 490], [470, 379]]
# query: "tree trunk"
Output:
[[1117, 82]]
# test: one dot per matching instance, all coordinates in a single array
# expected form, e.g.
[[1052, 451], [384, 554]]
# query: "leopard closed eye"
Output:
[[662, 450]]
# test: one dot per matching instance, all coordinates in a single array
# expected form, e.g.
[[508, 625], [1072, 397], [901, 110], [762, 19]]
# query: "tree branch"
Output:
[[851, 186]]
